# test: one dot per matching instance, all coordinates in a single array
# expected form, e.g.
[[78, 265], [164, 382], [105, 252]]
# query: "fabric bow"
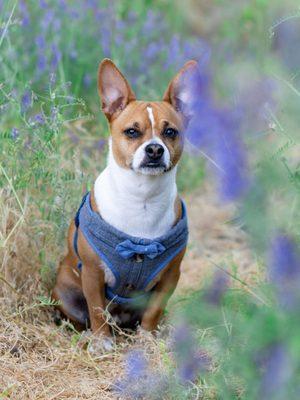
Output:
[[127, 249]]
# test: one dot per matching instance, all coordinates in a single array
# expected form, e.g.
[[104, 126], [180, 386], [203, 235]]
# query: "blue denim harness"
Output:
[[134, 262]]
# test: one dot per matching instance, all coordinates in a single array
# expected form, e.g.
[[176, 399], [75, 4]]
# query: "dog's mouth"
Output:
[[153, 164], [153, 168]]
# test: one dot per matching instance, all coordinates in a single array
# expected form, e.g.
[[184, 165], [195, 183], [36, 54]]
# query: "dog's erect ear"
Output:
[[114, 90], [177, 92]]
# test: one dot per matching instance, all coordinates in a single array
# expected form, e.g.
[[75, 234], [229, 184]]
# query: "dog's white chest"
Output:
[[139, 206]]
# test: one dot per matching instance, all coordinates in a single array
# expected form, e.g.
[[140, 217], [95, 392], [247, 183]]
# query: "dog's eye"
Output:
[[170, 133], [132, 133]]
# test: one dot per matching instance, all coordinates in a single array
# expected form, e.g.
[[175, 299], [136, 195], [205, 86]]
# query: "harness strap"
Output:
[[76, 221]]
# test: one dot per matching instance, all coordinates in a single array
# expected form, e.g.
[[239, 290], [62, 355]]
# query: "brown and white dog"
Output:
[[136, 194]]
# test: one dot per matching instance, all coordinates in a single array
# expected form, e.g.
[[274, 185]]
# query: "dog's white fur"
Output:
[[136, 203], [151, 117]]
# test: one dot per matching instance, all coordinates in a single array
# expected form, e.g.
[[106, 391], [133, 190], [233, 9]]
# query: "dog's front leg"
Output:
[[93, 287], [163, 291]]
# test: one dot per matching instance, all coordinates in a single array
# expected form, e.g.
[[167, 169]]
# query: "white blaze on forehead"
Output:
[[151, 117]]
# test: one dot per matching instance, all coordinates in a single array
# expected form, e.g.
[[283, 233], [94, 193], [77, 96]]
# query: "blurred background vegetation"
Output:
[[53, 143]]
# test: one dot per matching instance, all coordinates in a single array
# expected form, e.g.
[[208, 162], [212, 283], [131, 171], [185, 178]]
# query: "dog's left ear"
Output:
[[114, 90], [177, 92]]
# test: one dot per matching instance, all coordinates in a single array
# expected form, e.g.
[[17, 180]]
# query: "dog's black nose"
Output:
[[154, 151]]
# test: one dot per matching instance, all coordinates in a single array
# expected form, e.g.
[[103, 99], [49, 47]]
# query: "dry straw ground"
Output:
[[39, 360]]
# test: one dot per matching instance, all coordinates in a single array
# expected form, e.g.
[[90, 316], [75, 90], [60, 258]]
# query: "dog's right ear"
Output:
[[177, 93], [114, 90]]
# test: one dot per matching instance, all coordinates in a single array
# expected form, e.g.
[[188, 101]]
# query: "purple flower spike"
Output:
[[136, 364], [140, 382], [230, 156], [276, 372], [215, 133], [15, 133], [25, 16], [217, 289], [38, 119], [26, 101], [284, 270], [190, 360], [56, 56]]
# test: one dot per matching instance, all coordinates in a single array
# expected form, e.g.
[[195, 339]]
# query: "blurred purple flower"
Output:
[[284, 270], [230, 156], [136, 364], [87, 80], [15, 133], [73, 54], [276, 371], [26, 101], [218, 288], [47, 19], [100, 144], [38, 119], [154, 23], [25, 16], [106, 40], [63, 5], [41, 51], [56, 56], [215, 133], [189, 359], [44, 4], [152, 50], [140, 382]]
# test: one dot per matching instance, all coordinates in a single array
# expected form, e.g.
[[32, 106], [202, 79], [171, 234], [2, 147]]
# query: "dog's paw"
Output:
[[100, 345]]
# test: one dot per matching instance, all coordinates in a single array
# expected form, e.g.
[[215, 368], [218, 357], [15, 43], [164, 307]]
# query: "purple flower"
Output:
[[190, 360], [153, 24], [100, 144], [284, 270], [56, 56], [276, 374], [15, 133], [41, 53], [26, 101], [38, 119], [230, 156], [214, 131], [106, 40], [44, 4], [139, 381], [87, 80], [136, 364], [218, 288], [152, 50], [24, 13], [47, 19]]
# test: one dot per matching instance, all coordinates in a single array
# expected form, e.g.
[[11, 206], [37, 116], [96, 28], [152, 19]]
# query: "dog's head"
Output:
[[147, 136]]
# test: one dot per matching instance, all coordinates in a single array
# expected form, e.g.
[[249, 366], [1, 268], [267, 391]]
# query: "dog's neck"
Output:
[[136, 204]]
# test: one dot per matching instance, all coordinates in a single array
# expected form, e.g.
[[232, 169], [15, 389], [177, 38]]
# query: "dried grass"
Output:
[[39, 360]]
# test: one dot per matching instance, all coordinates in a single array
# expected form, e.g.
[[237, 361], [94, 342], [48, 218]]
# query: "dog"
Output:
[[130, 233]]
